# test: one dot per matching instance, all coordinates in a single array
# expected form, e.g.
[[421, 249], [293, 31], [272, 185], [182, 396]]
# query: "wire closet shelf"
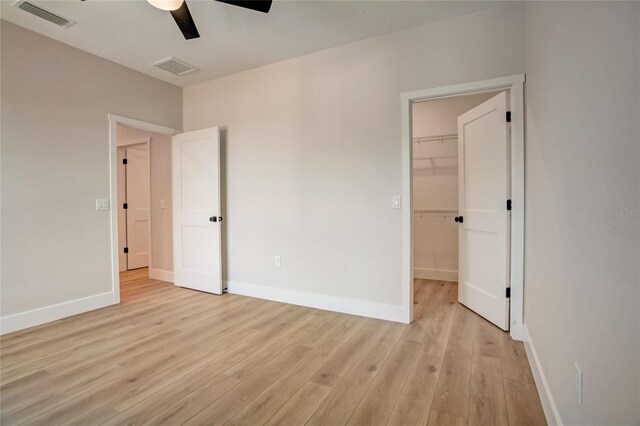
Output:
[[436, 138], [435, 213]]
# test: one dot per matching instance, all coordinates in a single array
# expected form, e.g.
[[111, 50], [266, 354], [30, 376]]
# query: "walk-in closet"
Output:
[[435, 185]]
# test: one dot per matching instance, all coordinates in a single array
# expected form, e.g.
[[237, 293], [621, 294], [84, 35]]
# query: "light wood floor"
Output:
[[167, 355]]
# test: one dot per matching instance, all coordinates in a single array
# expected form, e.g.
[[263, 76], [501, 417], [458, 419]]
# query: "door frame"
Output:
[[114, 120], [515, 85]]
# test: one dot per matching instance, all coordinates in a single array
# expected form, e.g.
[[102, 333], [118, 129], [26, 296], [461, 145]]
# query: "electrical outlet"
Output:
[[578, 382], [277, 261]]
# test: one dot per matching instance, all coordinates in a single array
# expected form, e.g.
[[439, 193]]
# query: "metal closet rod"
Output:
[[439, 138], [441, 215], [430, 212]]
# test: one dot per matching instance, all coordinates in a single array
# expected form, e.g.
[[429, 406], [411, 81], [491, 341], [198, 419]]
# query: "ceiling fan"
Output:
[[180, 12]]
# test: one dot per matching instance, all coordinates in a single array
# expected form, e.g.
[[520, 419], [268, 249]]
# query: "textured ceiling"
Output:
[[135, 34]]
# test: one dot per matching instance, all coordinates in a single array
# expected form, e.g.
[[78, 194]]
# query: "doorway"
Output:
[[141, 213], [438, 192], [144, 205], [185, 208], [436, 236]]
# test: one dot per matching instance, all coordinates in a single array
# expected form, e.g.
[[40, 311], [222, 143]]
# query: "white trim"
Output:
[[319, 301], [159, 274], [407, 211], [114, 120], [548, 404], [435, 274], [517, 209], [142, 125], [515, 84], [27, 319], [491, 85]]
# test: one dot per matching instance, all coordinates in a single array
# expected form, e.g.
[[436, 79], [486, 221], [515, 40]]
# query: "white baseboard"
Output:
[[159, 274], [548, 404], [39, 316], [435, 274], [363, 308]]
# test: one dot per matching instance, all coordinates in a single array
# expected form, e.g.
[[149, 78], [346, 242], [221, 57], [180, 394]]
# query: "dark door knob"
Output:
[[459, 219], [215, 219]]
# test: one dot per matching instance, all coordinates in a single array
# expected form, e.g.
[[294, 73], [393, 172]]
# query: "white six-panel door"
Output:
[[197, 211], [483, 155], [137, 195]]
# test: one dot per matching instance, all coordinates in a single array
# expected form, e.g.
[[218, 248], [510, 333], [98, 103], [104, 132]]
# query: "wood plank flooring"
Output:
[[168, 355]]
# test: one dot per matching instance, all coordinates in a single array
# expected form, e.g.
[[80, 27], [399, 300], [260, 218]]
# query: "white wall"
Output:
[[161, 218], [435, 185], [55, 163], [582, 162], [313, 151]]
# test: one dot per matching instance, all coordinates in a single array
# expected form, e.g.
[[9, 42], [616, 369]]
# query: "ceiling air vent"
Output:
[[40, 12], [175, 66]]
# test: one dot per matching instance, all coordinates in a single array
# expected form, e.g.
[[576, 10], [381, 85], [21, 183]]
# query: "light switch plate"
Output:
[[102, 204], [396, 202]]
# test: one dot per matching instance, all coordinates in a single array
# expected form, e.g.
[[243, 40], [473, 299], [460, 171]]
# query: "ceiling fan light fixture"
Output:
[[166, 4]]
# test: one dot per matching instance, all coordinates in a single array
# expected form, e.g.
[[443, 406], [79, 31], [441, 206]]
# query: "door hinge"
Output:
[[508, 116], [124, 161], [125, 206], [508, 204], [508, 292], [126, 250]]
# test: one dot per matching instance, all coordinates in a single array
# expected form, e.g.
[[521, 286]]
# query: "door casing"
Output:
[[515, 87]]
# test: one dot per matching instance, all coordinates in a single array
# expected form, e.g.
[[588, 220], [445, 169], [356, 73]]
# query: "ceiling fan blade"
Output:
[[183, 18], [257, 5]]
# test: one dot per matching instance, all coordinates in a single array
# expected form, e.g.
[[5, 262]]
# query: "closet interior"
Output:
[[435, 185]]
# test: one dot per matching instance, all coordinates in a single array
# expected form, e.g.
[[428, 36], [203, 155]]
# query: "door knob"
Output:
[[215, 219], [459, 219]]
